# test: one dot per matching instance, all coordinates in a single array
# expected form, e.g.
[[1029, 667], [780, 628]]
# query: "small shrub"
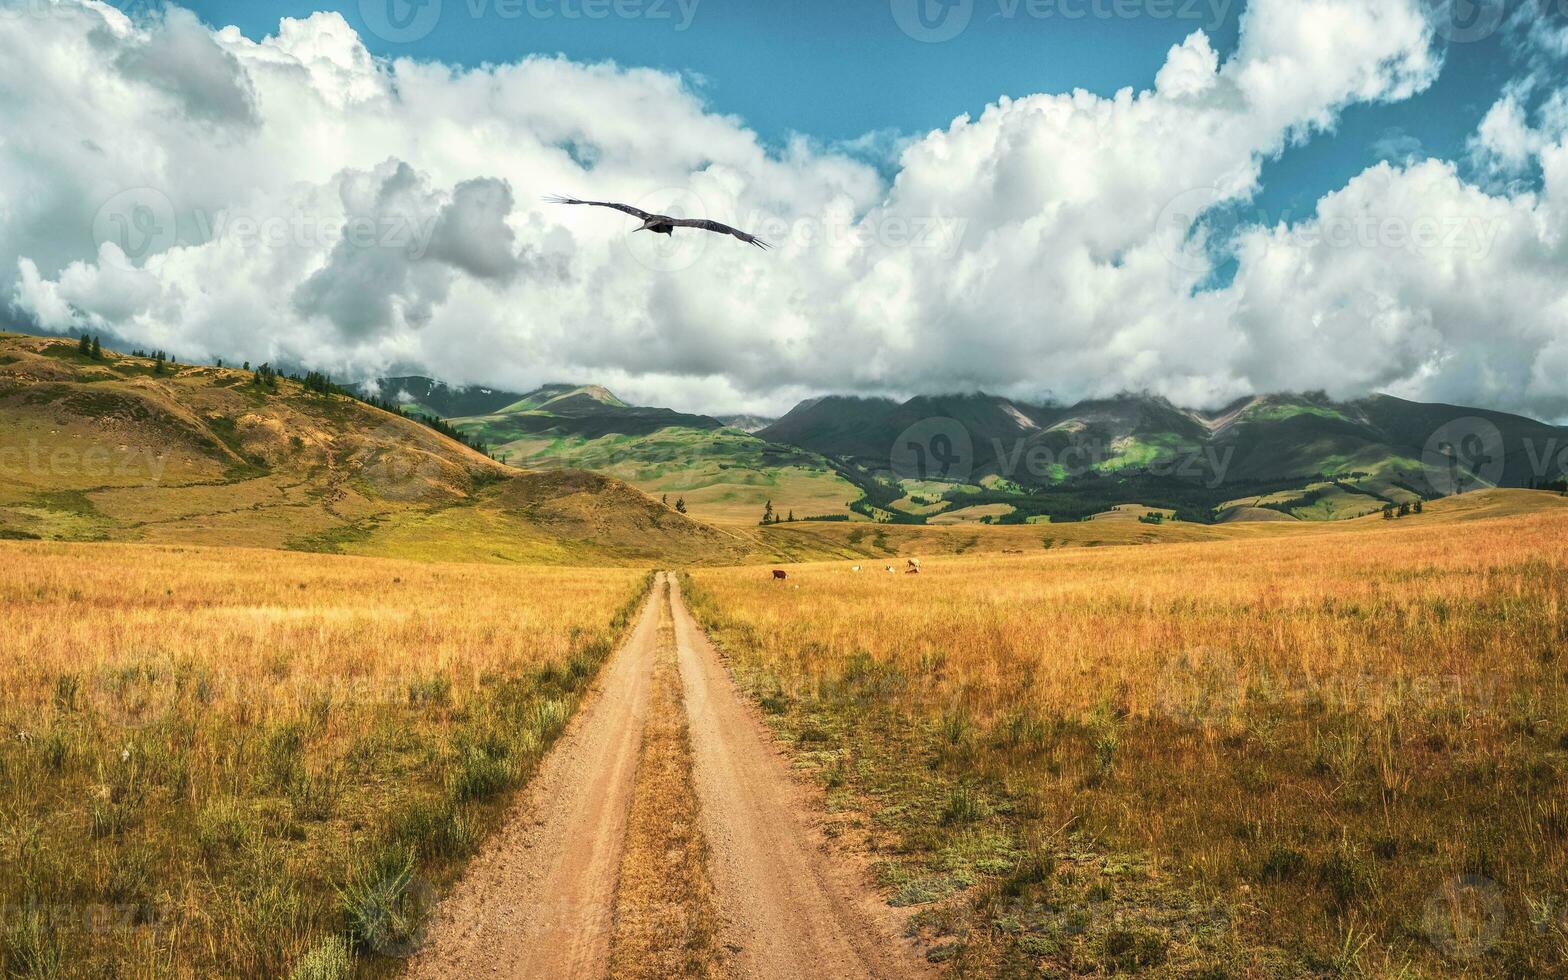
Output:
[[330, 959], [1283, 864], [1346, 875], [314, 797], [284, 752], [32, 946], [435, 829], [1132, 949], [221, 828], [67, 688], [478, 775], [384, 908], [435, 692], [964, 805]]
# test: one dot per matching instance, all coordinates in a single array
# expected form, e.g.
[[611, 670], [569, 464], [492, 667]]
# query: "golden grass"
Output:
[[223, 762], [1280, 754], [666, 924]]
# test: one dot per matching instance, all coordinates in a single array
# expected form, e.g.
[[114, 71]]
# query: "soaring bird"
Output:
[[663, 224]]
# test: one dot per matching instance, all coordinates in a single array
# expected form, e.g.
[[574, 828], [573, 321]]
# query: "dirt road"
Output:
[[790, 910], [540, 901]]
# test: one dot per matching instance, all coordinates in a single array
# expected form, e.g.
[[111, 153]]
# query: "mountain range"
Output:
[[978, 457]]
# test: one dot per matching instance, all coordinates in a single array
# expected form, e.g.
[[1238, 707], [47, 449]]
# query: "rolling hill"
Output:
[[128, 449], [721, 473]]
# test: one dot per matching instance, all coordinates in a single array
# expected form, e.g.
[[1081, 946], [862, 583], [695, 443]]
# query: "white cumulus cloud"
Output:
[[294, 199]]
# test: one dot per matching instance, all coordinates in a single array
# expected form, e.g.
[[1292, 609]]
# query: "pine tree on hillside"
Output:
[[85, 346], [97, 349], [680, 505], [767, 513]]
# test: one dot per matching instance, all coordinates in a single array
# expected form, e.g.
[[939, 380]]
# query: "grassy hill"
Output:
[[124, 449], [722, 473]]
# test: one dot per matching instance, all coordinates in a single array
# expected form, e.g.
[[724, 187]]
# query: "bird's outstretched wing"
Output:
[[721, 229], [634, 212]]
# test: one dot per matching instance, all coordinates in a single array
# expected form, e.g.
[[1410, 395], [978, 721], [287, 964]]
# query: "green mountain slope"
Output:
[[1302, 456], [720, 473]]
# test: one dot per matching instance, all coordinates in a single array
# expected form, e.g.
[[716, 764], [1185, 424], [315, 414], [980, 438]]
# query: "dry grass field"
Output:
[[220, 762], [1337, 753]]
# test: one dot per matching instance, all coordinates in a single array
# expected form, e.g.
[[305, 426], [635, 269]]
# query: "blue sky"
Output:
[[1064, 246], [837, 70]]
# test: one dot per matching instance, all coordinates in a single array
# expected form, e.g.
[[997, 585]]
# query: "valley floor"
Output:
[[1264, 751]]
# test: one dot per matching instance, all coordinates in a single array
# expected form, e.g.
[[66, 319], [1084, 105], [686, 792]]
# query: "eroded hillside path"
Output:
[[540, 901]]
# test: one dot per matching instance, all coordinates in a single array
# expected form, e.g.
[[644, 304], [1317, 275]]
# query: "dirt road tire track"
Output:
[[792, 909], [539, 900]]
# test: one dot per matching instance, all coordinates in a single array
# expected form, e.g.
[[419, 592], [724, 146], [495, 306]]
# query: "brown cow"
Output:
[[779, 576]]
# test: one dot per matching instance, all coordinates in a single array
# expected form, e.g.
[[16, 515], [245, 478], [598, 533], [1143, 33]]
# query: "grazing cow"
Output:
[[779, 576], [855, 569], [914, 563], [890, 570], [913, 570]]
